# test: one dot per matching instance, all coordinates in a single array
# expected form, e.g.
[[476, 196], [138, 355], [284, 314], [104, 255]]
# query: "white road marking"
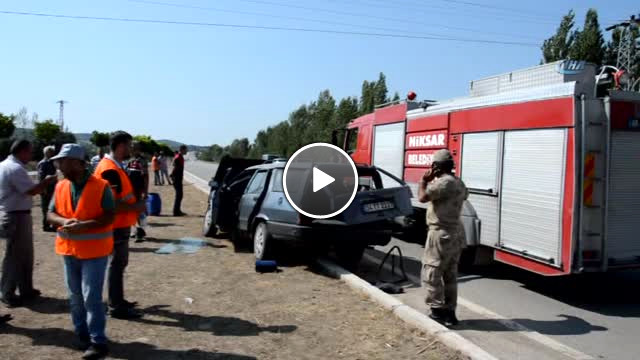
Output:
[[508, 323]]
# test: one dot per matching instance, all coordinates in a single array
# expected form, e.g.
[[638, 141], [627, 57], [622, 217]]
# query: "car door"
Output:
[[275, 205], [250, 198], [228, 198]]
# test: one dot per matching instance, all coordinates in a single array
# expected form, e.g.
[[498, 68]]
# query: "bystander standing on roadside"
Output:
[[96, 159], [164, 169], [111, 169], [138, 170], [83, 210], [46, 168], [16, 225], [155, 167], [177, 175]]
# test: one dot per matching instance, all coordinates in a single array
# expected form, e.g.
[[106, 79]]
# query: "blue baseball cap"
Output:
[[70, 151]]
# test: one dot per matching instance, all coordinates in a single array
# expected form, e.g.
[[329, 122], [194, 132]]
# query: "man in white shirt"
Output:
[[96, 159], [16, 190]]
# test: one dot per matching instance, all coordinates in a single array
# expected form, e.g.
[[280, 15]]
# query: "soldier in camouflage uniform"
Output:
[[445, 194]]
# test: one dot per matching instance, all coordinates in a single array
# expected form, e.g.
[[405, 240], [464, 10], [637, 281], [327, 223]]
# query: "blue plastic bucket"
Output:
[[264, 266], [154, 204]]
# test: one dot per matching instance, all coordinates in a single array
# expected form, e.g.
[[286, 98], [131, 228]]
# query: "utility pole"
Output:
[[61, 117], [627, 46]]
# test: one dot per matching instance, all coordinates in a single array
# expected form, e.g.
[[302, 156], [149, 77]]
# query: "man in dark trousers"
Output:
[[128, 208], [16, 226], [177, 175], [46, 168]]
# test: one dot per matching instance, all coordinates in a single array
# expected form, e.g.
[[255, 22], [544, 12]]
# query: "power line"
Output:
[[392, 19], [267, 15], [517, 16], [547, 18], [258, 27]]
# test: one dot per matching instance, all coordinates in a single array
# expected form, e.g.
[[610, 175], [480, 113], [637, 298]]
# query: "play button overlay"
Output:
[[320, 180]]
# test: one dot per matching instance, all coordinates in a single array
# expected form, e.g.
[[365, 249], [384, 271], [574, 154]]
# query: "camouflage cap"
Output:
[[442, 156]]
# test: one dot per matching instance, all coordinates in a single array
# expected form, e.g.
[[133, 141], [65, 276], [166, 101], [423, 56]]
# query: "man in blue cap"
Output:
[[82, 211]]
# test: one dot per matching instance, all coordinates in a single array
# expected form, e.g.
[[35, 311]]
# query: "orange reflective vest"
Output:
[[90, 244], [123, 219], [155, 164]]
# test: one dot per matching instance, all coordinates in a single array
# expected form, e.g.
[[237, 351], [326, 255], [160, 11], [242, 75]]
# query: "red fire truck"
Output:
[[551, 159]]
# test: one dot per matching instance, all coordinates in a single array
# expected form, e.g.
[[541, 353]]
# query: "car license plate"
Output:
[[378, 206]]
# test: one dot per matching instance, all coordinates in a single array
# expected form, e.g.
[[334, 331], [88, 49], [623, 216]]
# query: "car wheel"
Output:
[[262, 242], [209, 229], [350, 254]]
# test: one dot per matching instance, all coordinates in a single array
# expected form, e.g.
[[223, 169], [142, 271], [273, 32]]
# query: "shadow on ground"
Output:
[[153, 240], [48, 305], [217, 325], [134, 350], [162, 225], [568, 325], [607, 293]]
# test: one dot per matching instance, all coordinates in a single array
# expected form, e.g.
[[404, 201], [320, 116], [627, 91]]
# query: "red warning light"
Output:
[[411, 96]]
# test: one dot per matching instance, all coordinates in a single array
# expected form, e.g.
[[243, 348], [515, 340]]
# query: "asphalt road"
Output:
[[596, 314]]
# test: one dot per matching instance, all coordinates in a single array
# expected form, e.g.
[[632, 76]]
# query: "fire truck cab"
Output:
[[552, 168]]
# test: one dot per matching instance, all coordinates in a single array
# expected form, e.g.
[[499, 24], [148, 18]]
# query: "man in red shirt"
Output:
[[177, 175]]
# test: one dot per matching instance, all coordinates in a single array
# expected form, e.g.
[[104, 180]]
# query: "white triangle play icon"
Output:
[[320, 179]]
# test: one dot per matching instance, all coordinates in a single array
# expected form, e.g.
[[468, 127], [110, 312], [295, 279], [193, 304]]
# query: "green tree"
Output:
[[239, 148], [557, 47], [7, 125], [64, 138], [589, 43], [396, 97], [46, 131], [367, 98], [100, 139], [380, 90]]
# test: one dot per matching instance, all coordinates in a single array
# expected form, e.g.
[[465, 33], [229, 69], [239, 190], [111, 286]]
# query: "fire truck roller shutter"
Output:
[[623, 227], [388, 150], [479, 171], [532, 193]]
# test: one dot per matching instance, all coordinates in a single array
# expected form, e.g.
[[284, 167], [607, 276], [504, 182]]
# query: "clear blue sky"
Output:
[[204, 85]]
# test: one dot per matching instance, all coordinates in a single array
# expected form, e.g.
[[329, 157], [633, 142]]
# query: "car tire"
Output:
[[262, 242], [350, 254], [209, 229]]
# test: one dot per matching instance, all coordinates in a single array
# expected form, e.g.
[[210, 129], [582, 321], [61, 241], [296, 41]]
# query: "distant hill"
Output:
[[85, 138], [175, 145]]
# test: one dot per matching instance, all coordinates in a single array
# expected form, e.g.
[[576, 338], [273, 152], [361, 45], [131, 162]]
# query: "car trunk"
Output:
[[374, 202]]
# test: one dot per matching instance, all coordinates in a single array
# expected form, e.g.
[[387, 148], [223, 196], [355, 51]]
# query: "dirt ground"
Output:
[[213, 305]]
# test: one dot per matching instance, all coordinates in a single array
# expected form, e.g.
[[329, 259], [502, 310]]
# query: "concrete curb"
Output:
[[407, 314]]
